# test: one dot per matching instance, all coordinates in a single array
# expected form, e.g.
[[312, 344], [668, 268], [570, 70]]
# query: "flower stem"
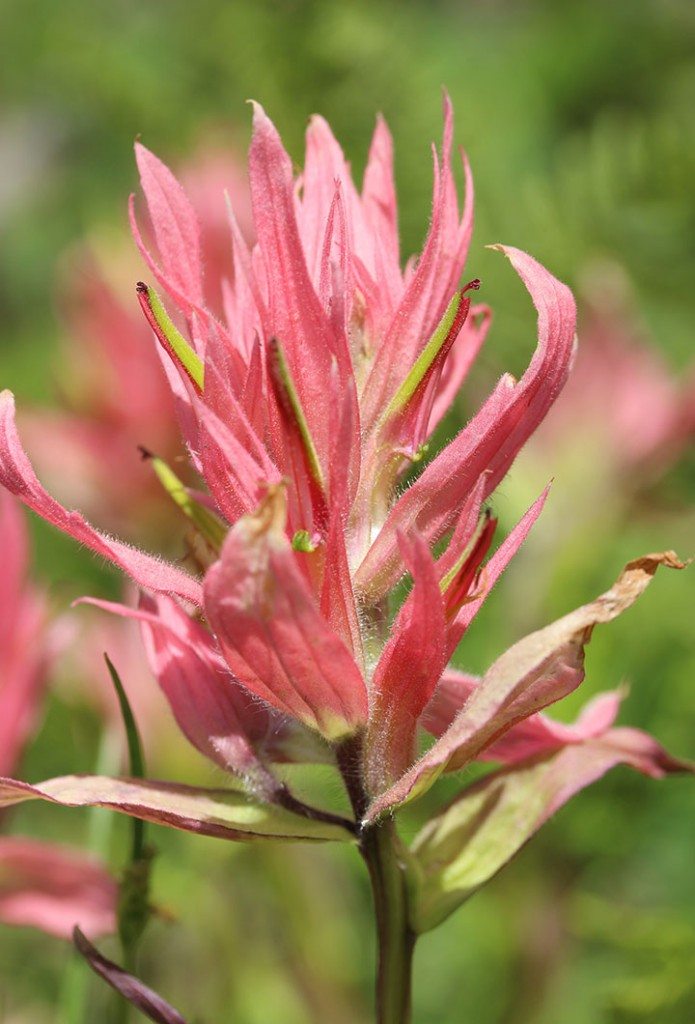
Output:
[[396, 940], [383, 854]]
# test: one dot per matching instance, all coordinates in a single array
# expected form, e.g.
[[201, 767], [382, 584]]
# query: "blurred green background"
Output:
[[577, 118]]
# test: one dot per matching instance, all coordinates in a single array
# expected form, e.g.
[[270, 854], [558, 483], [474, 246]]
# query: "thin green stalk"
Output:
[[381, 849], [396, 940]]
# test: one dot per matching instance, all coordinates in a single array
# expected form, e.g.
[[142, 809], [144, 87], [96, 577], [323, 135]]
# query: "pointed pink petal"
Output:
[[380, 207], [175, 225], [463, 530], [324, 168], [295, 315], [54, 888], [271, 632], [465, 583], [491, 440], [431, 285], [17, 475], [449, 698], [535, 672], [249, 301], [234, 460], [214, 712], [412, 323], [338, 603], [539, 734], [407, 672], [335, 260]]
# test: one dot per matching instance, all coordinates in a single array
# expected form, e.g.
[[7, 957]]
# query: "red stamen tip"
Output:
[[472, 286]]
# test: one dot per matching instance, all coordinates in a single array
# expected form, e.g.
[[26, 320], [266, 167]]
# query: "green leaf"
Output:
[[224, 813], [461, 849], [135, 755]]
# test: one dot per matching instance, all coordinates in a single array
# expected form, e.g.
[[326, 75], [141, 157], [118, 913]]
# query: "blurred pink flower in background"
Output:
[[81, 675], [53, 888], [113, 394], [26, 647], [622, 405], [41, 884]]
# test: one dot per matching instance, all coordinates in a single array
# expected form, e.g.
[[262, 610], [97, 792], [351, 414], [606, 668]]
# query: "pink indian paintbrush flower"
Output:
[[41, 884], [304, 406]]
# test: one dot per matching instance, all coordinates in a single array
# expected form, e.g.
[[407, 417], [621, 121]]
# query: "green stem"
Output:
[[396, 940], [381, 849]]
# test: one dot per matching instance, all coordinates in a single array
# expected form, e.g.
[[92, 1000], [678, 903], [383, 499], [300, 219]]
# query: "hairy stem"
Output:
[[382, 853], [396, 940]]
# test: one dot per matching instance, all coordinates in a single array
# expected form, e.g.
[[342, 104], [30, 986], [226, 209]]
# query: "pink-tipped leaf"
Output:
[[464, 846], [534, 673]]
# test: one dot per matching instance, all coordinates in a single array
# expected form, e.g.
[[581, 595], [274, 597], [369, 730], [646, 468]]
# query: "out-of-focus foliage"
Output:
[[578, 121]]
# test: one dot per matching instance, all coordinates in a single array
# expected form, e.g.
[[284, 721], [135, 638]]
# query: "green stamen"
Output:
[[449, 578], [425, 360], [293, 405], [206, 522], [190, 360]]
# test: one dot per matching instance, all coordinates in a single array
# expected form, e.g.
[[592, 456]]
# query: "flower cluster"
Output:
[[306, 402]]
